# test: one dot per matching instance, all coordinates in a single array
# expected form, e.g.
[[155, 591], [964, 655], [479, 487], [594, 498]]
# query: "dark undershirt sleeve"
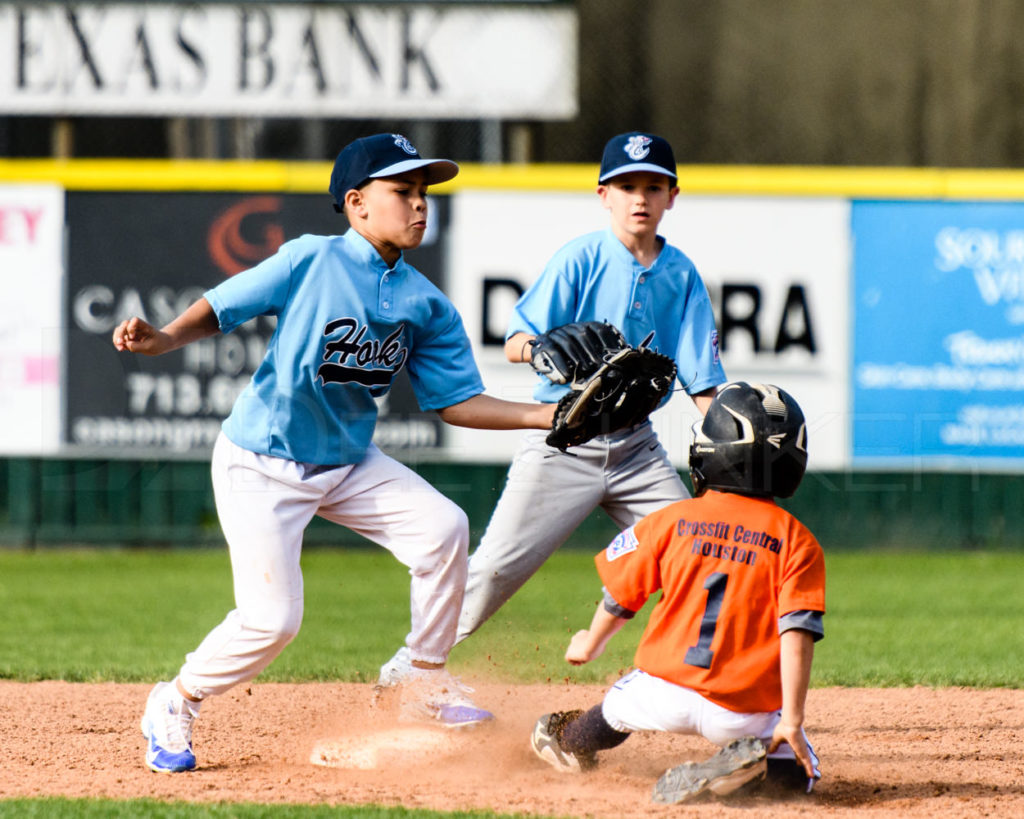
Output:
[[612, 607], [810, 621]]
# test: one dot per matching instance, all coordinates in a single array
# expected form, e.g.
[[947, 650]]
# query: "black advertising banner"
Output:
[[152, 255]]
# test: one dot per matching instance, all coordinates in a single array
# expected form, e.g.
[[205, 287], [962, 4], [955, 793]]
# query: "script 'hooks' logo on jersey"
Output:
[[352, 358], [403, 143], [637, 147]]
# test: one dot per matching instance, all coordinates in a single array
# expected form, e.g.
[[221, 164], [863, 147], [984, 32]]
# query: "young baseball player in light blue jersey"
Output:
[[631, 277], [298, 442]]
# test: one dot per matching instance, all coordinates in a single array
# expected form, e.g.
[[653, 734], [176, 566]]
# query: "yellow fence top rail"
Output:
[[731, 180]]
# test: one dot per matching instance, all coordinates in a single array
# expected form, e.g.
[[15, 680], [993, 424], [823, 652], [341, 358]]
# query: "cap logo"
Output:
[[403, 143], [637, 147]]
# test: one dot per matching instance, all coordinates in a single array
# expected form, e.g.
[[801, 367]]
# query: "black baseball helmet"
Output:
[[753, 440]]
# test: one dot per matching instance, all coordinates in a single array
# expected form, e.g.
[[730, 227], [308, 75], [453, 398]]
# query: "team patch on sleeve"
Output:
[[623, 544]]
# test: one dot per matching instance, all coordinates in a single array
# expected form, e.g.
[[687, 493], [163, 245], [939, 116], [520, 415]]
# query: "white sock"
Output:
[[428, 671], [180, 703]]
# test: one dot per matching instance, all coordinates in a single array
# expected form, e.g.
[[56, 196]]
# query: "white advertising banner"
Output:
[[31, 271], [777, 271], [779, 275], [255, 59]]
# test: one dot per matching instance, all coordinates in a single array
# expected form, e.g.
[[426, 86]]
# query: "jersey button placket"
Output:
[[385, 300], [636, 307]]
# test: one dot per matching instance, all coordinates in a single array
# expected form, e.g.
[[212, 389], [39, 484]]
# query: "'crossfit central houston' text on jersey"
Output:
[[729, 566], [595, 278], [347, 323]]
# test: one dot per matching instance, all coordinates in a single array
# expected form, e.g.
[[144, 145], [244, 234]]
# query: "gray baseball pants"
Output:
[[548, 494]]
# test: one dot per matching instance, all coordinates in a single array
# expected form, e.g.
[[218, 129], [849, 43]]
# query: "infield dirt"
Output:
[[914, 752]]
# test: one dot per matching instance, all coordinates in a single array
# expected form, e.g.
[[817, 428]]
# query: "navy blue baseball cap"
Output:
[[637, 151], [381, 155]]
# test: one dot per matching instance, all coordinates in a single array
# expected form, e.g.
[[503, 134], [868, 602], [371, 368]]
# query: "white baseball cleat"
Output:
[[396, 669]]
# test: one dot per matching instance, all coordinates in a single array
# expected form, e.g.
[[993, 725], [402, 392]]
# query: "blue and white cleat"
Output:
[[167, 725], [462, 716], [437, 697]]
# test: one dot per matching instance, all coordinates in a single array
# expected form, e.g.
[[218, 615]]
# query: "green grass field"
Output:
[[894, 619], [152, 809], [130, 616]]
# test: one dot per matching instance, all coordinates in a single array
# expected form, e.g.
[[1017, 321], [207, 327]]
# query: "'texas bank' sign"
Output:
[[288, 60]]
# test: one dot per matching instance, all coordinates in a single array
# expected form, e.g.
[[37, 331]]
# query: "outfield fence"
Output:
[[54, 503], [916, 426]]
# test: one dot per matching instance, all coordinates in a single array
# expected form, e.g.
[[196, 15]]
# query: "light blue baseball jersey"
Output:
[[347, 323], [595, 278]]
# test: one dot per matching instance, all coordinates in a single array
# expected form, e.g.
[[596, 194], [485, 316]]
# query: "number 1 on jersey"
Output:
[[701, 654]]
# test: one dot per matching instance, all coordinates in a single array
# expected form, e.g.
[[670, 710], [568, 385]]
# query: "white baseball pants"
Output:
[[265, 503], [641, 702]]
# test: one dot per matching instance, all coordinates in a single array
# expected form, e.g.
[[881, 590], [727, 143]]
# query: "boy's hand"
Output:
[[580, 650], [793, 735], [138, 336], [589, 643]]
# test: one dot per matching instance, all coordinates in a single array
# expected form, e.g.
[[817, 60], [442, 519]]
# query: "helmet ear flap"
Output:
[[788, 467], [700, 483]]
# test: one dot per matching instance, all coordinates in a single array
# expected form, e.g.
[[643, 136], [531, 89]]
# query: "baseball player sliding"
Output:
[[630, 278], [351, 313], [728, 648]]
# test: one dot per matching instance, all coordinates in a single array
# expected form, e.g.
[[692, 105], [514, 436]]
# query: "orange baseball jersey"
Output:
[[729, 567]]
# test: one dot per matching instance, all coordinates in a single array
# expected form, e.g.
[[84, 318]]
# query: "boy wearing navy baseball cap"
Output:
[[637, 152], [351, 313], [629, 276], [380, 156]]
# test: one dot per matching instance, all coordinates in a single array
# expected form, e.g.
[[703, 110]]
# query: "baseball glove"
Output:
[[572, 352], [623, 391]]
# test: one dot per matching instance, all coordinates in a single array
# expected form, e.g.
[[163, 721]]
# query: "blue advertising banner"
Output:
[[938, 336]]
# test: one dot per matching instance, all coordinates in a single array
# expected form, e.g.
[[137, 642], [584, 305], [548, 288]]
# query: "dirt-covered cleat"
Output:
[[545, 742], [397, 669], [392, 674], [437, 696], [739, 762]]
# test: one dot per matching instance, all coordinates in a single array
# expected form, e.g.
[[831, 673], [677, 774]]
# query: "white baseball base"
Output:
[[383, 748]]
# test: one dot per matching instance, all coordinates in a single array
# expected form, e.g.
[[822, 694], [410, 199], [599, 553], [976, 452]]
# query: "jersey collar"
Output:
[[622, 252], [363, 250]]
